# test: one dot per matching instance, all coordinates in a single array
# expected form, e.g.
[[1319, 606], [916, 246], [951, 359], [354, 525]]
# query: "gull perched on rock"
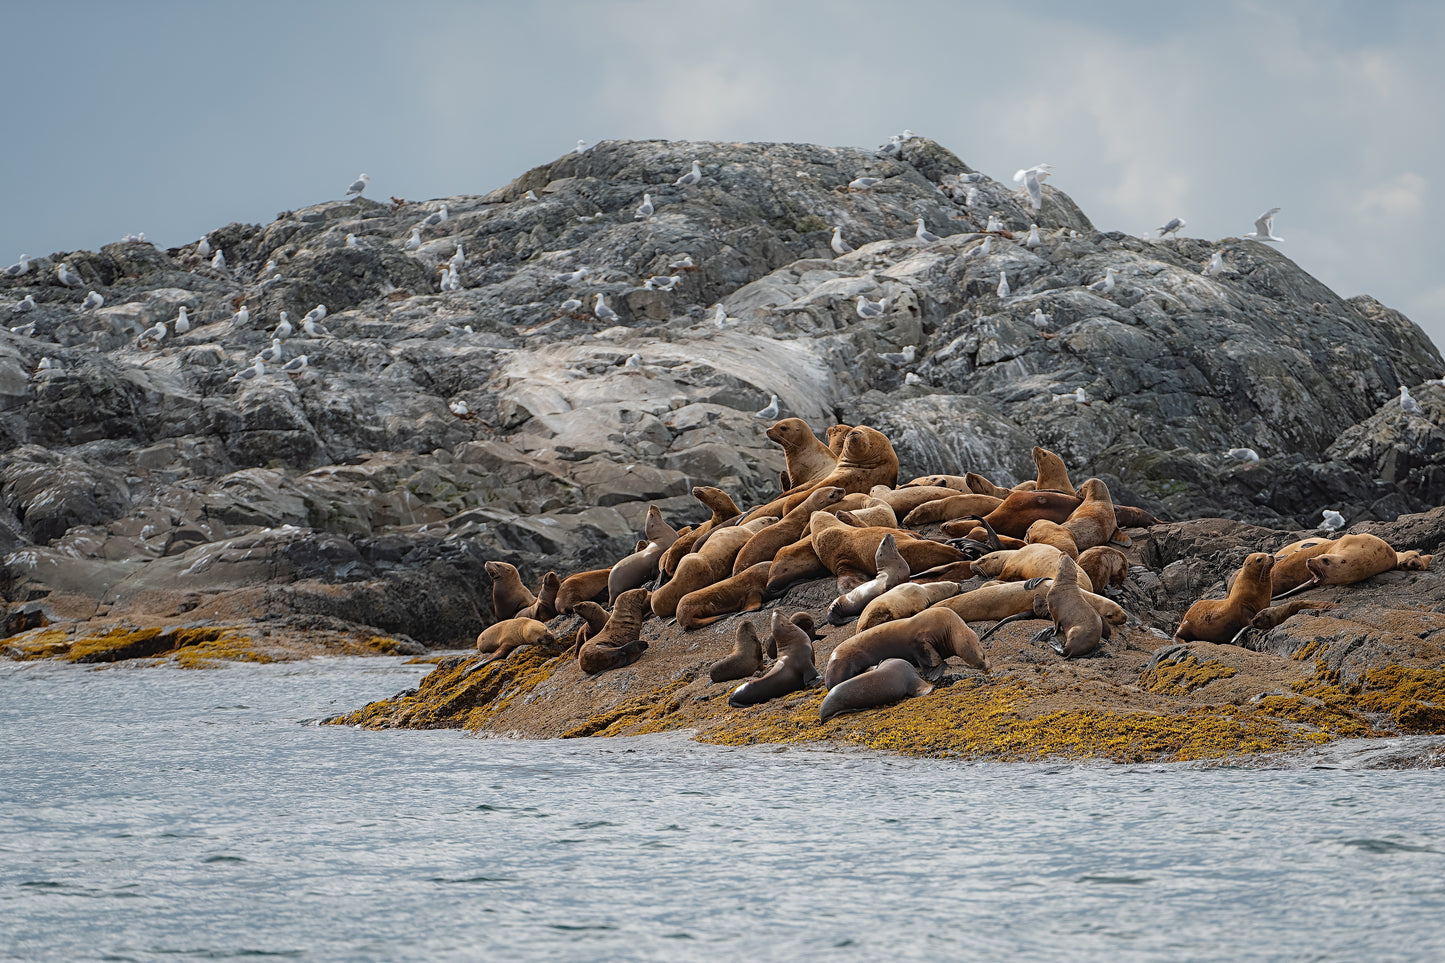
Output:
[[633, 361], [994, 224], [272, 354], [894, 145], [1171, 226], [296, 365], [644, 209], [1003, 288], [905, 356], [257, 369], [243, 315], [182, 323], [602, 311], [352, 242], [358, 185], [863, 183], [923, 233], [912, 379], [1409, 404], [66, 275], [871, 309], [1264, 227], [91, 302], [971, 198], [682, 264], [435, 217], [1248, 455], [313, 328], [413, 242], [1333, 521], [1081, 396], [1040, 320], [581, 146], [839, 245], [1033, 240], [284, 329], [690, 178], [986, 246], [1106, 284], [219, 261], [19, 267], [719, 315], [531, 196], [661, 282], [156, 333], [203, 248], [573, 277], [570, 305], [1215, 267], [770, 413], [27, 303]]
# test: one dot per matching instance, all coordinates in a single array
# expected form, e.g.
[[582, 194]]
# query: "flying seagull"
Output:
[[1264, 227]]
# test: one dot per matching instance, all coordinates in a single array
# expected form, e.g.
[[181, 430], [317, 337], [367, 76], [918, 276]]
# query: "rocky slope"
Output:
[[143, 484]]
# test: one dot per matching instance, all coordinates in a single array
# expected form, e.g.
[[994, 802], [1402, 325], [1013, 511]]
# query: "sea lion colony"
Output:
[[1039, 550]]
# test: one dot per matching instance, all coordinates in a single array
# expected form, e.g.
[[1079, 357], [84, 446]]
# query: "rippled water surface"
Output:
[[167, 814]]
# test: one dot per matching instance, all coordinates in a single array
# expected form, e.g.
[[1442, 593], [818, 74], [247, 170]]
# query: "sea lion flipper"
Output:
[[1050, 637], [1120, 539], [850, 578], [1004, 621], [1034, 583]]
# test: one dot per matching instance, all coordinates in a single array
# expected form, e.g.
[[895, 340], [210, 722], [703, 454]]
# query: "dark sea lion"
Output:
[[594, 617], [743, 592], [1019, 510], [892, 570], [580, 587], [794, 669], [803, 621], [843, 549], [867, 459], [509, 595], [1076, 621], [641, 566], [925, 640], [953, 506], [1219, 620], [544, 609], [808, 459], [1105, 566], [620, 642], [744, 660], [1276, 614], [887, 682]]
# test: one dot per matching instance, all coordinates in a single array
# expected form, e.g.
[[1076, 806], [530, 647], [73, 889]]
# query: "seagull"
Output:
[[358, 185], [66, 275], [49, 364], [690, 178], [994, 224], [863, 183], [971, 198], [203, 248], [719, 315], [451, 280], [589, 218], [27, 303], [1171, 226], [923, 233], [661, 282], [681, 265], [905, 356], [273, 353], [413, 242], [912, 379], [570, 305], [242, 316], [575, 277], [634, 361], [182, 323], [644, 210], [435, 217], [317, 313], [134, 238], [894, 145], [1078, 396], [313, 328], [1003, 288], [1040, 171], [459, 408], [91, 302], [1105, 285], [458, 260], [1333, 521], [871, 309], [1248, 455], [1034, 239], [602, 311], [296, 365], [156, 333], [839, 245], [986, 246], [580, 148], [19, 267], [971, 178], [1264, 227], [351, 241], [531, 196], [284, 329], [1411, 406], [1034, 187], [219, 261], [257, 369], [1215, 267], [1040, 320], [770, 413]]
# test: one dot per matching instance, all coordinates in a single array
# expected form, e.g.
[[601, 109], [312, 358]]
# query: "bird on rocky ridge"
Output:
[[602, 311], [313, 328], [66, 275], [1409, 404], [296, 365], [645, 209], [971, 199], [274, 353], [1003, 288], [1215, 267], [352, 242], [435, 217], [1333, 521], [719, 315], [203, 248], [570, 305], [682, 264], [182, 323], [905, 356], [413, 242], [1264, 227], [243, 315], [1246, 455], [839, 245], [531, 196], [256, 370], [661, 282], [923, 233], [994, 225], [1040, 320], [581, 147], [91, 302], [284, 328], [690, 178], [1105, 284], [863, 183], [358, 185], [19, 267], [1033, 240], [870, 309], [1034, 188], [219, 260], [1171, 226], [27, 303], [769, 413], [156, 333]]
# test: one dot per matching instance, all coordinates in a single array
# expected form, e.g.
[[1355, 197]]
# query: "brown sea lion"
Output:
[[594, 617], [641, 566], [892, 570], [1005, 601], [1094, 522], [885, 683], [1105, 566], [1353, 558], [743, 592], [837, 434], [722, 507], [1276, 614], [620, 642], [1289, 562], [867, 459], [1031, 561], [743, 661], [1412, 561], [1076, 621], [1219, 620], [904, 601], [582, 586], [794, 563], [1045, 532], [509, 595], [954, 506], [925, 640], [844, 550], [786, 530], [794, 669], [693, 572], [1129, 516], [1019, 510], [502, 639], [955, 483], [878, 514], [809, 460], [544, 609], [723, 544], [803, 621], [905, 499], [980, 485], [1053, 475], [972, 531]]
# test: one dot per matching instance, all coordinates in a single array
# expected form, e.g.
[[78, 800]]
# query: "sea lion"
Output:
[[1276, 614], [1218, 620], [1289, 562], [904, 601], [794, 669], [1353, 558], [1009, 601], [722, 507], [693, 572], [980, 485], [594, 617], [878, 514], [803, 621], [925, 640], [744, 660], [905, 499], [953, 506], [1019, 510], [641, 566], [892, 570], [1045, 532], [837, 434], [620, 642], [808, 459], [544, 609], [1076, 621], [724, 543], [850, 551], [1412, 561], [956, 483], [887, 682], [743, 592], [1129, 516], [867, 459], [509, 595], [794, 563], [1031, 561], [502, 639], [1094, 522], [1105, 566], [1053, 475], [582, 586], [763, 546]]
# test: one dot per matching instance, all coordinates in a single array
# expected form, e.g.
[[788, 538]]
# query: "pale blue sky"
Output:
[[175, 118]]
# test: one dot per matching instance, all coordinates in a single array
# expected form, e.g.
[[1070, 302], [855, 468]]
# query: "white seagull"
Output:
[[905, 356], [681, 265], [1333, 521], [1105, 285], [1040, 320], [719, 315], [1171, 226], [1003, 288], [219, 261], [313, 328], [284, 329], [1215, 267], [1034, 188], [863, 183], [272, 354], [923, 233], [203, 248], [690, 178], [581, 147], [994, 224], [19, 267], [358, 185], [1264, 227], [242, 315], [770, 413], [871, 309], [645, 209], [351, 241], [602, 311], [1248, 455], [296, 365], [182, 323], [531, 196], [1034, 240], [66, 275], [156, 333], [839, 245], [413, 242], [1409, 404], [257, 369], [435, 217], [27, 303], [570, 305], [1040, 171], [971, 198], [91, 302]]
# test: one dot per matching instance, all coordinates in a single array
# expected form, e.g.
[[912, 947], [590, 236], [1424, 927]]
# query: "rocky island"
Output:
[[521, 376]]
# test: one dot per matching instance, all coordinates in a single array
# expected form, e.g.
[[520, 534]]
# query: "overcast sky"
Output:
[[175, 118]]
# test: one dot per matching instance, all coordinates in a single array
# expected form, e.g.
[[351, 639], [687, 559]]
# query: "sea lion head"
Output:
[[865, 447], [1094, 489], [788, 637], [500, 570], [1412, 561], [1258, 564], [822, 521], [791, 433]]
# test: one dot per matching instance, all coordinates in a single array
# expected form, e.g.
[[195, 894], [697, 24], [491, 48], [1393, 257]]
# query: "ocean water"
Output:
[[163, 814]]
